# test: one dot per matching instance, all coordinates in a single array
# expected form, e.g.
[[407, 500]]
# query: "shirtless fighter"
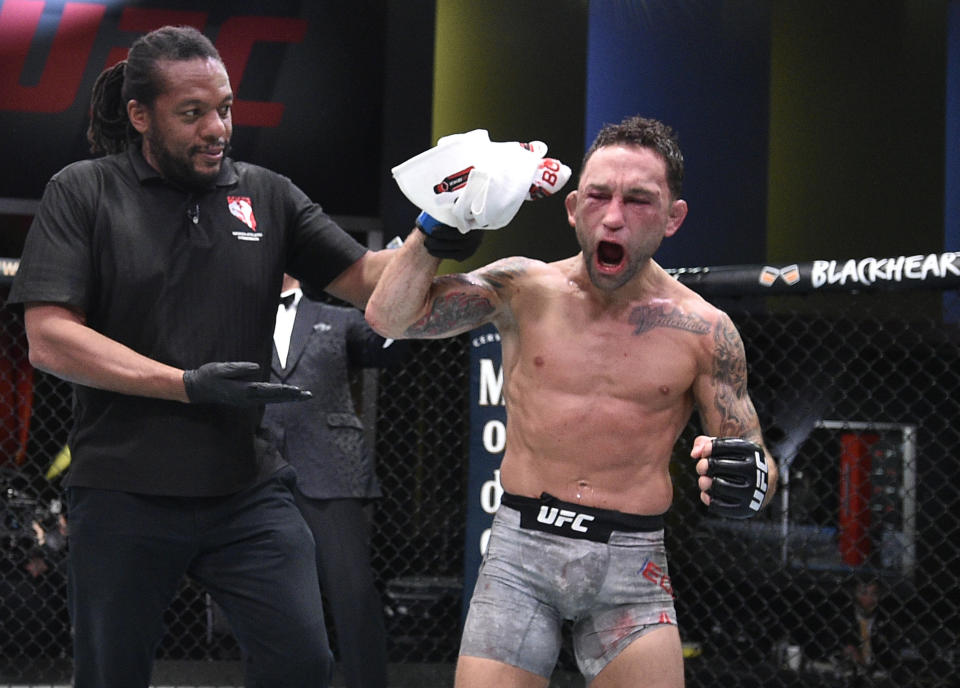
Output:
[[605, 357]]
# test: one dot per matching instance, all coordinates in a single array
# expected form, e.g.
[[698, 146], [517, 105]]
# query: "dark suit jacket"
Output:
[[323, 438]]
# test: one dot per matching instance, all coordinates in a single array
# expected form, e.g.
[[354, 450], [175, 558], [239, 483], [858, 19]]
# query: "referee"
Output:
[[149, 280]]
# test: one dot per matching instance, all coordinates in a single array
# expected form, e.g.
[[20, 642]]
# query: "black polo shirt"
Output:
[[184, 278]]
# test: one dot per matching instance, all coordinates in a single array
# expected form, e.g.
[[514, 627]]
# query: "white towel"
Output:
[[469, 182]]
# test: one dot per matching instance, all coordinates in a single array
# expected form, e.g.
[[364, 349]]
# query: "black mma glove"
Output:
[[739, 472], [444, 241], [230, 383]]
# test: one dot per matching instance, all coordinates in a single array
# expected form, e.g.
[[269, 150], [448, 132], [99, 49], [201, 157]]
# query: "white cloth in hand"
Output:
[[469, 182]]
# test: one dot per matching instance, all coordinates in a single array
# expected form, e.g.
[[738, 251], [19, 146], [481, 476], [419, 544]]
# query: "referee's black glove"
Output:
[[230, 383]]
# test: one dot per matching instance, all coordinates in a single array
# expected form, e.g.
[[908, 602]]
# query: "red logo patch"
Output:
[[242, 209], [455, 181]]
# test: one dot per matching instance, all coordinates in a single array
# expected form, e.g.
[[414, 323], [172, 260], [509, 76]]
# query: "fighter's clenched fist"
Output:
[[734, 476]]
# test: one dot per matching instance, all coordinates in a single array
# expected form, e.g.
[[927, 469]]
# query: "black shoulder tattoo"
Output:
[[646, 318], [501, 274]]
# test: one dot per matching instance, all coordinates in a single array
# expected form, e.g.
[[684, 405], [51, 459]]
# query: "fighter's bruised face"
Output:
[[187, 131], [622, 210]]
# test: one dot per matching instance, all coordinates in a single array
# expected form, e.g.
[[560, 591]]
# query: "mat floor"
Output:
[[217, 674]]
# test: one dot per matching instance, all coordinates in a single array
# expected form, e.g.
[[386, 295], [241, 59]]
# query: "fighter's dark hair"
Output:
[[646, 133], [137, 78]]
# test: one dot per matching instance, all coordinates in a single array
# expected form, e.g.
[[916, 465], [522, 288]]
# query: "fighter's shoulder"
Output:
[[713, 321], [722, 338], [692, 302], [512, 271]]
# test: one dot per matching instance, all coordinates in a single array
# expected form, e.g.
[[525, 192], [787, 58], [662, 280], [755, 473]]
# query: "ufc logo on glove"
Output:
[[739, 472]]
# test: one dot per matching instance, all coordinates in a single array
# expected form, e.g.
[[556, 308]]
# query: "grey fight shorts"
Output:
[[547, 561]]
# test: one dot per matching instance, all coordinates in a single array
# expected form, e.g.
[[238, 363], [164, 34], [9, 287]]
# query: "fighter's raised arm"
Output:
[[411, 302], [465, 184]]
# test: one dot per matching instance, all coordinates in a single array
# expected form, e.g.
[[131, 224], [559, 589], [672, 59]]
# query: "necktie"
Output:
[[287, 300]]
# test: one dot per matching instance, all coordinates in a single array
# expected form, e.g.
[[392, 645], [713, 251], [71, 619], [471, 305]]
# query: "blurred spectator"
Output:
[[316, 345], [33, 587], [870, 643]]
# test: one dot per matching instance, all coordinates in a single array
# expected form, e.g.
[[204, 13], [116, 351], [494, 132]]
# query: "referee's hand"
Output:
[[233, 383]]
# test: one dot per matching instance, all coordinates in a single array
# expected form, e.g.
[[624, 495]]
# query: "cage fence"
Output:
[[858, 392]]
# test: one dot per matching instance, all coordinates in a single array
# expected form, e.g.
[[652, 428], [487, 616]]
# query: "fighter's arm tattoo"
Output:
[[738, 418], [466, 301]]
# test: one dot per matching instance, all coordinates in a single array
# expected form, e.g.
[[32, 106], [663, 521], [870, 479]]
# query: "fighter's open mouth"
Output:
[[609, 254]]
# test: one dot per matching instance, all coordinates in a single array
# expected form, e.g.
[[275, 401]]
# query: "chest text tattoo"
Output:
[[646, 318]]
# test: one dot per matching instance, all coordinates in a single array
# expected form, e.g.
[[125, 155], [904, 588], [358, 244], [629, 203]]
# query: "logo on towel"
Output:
[[455, 181]]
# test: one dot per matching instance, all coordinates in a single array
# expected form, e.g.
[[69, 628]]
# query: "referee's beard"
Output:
[[180, 169]]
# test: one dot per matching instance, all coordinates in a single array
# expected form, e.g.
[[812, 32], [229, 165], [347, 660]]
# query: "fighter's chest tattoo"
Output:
[[646, 318]]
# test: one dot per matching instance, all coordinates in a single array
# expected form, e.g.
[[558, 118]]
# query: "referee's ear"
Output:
[[139, 115]]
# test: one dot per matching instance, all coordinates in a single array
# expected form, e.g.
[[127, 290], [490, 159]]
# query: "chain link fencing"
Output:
[[858, 391]]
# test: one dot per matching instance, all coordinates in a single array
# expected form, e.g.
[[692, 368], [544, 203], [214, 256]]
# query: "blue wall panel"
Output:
[[702, 68]]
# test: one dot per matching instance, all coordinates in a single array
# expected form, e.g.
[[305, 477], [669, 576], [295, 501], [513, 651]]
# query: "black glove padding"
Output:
[[230, 383], [739, 472], [444, 241]]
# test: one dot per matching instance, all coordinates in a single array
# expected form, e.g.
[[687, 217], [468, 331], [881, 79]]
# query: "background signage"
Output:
[[307, 77], [488, 436]]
